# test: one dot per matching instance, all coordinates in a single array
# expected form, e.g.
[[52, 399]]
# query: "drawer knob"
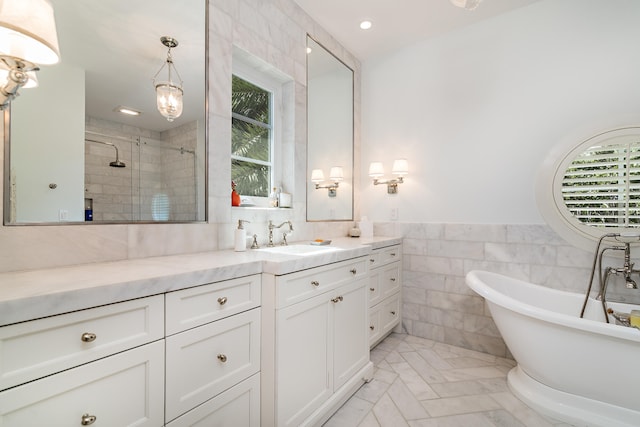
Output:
[[393, 313], [393, 279], [372, 260], [222, 300], [315, 283], [353, 271], [337, 299], [87, 419], [372, 289], [372, 327], [222, 358], [393, 254], [88, 337]]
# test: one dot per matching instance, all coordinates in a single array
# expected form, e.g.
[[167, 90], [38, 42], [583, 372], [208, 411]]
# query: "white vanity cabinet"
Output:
[[315, 342], [103, 365], [384, 291], [213, 354]]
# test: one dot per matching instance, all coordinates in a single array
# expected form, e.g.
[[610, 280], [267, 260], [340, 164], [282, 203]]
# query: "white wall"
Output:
[[55, 153], [477, 110]]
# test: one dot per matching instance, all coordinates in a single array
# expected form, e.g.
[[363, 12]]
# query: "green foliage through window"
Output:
[[251, 138]]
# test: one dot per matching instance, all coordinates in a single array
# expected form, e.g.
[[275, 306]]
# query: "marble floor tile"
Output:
[[422, 383]]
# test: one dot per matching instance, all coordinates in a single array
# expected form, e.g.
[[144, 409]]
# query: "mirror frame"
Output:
[[353, 135], [6, 203]]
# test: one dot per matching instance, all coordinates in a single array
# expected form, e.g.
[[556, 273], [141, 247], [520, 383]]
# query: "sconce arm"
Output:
[[392, 184], [16, 78], [331, 187]]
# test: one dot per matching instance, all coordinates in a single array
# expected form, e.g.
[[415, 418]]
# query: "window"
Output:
[[252, 138], [593, 188], [601, 186]]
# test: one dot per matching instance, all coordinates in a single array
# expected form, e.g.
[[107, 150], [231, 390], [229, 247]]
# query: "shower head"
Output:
[[116, 163]]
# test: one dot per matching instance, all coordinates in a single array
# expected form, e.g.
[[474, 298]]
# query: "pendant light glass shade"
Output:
[[169, 100], [28, 31], [168, 93]]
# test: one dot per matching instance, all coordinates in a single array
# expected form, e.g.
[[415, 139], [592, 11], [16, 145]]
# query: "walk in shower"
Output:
[[145, 179]]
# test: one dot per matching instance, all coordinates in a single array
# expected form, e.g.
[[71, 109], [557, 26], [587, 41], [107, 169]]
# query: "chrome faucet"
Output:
[[272, 226]]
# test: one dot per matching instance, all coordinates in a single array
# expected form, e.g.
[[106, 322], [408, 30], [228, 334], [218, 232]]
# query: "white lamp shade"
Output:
[[376, 170], [400, 167], [169, 100], [317, 175], [28, 31], [336, 174]]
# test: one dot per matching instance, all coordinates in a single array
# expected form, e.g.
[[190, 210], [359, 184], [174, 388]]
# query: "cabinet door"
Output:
[[303, 345], [351, 331], [121, 390]]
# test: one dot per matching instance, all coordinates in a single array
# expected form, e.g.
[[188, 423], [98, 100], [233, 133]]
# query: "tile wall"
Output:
[[437, 303]]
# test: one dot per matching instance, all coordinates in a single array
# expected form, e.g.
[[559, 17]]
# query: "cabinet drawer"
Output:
[[375, 330], [193, 307], [382, 256], [31, 350], [374, 289], [121, 390], [204, 361], [296, 287], [390, 314], [238, 406], [390, 280]]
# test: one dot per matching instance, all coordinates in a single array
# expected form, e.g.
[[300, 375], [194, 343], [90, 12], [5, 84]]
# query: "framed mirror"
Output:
[[72, 156], [329, 136]]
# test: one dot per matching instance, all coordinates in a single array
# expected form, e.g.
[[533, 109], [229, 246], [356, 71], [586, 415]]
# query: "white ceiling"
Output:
[[397, 23]]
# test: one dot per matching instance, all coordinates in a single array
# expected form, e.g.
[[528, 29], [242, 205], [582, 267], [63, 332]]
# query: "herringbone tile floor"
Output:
[[422, 383]]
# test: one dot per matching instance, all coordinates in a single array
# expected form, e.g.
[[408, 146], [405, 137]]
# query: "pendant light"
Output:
[[168, 93]]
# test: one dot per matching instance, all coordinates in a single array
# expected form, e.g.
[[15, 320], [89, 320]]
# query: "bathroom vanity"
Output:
[[187, 339]]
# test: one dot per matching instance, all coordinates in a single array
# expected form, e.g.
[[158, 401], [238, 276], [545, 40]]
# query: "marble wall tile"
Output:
[[436, 257]]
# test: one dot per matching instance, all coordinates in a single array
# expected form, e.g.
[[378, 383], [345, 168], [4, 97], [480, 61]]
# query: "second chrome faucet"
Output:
[[284, 235]]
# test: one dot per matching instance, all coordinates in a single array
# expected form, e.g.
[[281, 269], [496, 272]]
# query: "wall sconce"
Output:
[[168, 94], [336, 175], [27, 37], [400, 169]]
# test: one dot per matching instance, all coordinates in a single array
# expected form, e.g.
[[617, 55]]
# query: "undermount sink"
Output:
[[301, 250]]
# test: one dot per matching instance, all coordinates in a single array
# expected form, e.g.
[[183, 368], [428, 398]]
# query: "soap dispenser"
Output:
[[241, 237]]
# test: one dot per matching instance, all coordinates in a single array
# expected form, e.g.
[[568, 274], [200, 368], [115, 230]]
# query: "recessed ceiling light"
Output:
[[127, 110], [365, 25]]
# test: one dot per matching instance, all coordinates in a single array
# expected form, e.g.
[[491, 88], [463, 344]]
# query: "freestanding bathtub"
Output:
[[580, 370]]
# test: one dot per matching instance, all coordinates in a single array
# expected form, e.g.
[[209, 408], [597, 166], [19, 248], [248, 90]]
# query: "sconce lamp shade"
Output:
[[28, 31], [400, 167], [336, 174], [376, 170], [317, 175]]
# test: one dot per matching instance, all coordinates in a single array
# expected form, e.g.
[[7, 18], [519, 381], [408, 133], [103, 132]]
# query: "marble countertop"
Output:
[[32, 294]]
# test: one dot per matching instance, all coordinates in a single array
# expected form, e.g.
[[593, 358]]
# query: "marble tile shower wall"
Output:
[[437, 303]]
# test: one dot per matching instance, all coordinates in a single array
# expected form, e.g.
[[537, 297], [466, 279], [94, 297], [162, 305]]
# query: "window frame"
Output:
[[270, 84], [549, 186]]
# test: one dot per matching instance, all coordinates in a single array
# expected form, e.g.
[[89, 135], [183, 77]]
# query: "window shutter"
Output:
[[601, 187]]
